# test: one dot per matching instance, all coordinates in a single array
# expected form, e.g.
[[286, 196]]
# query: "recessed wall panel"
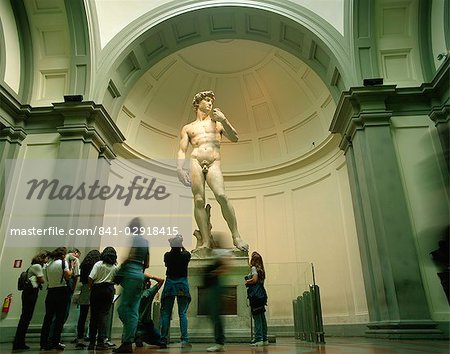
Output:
[[53, 85], [300, 138], [262, 116], [269, 147], [155, 143], [397, 66], [239, 153], [279, 244]]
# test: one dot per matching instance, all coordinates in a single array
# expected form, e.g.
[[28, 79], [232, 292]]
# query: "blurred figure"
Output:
[[56, 272], [146, 331], [102, 293], [441, 257], [29, 298], [256, 279], [213, 283], [86, 265], [177, 286], [132, 274]]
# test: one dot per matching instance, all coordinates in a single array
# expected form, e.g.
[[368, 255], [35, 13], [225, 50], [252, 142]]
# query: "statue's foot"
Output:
[[240, 244], [200, 242], [203, 246]]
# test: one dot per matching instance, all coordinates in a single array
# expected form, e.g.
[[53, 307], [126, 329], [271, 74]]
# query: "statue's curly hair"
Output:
[[200, 96]]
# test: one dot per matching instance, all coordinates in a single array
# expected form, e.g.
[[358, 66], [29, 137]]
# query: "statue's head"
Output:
[[200, 96]]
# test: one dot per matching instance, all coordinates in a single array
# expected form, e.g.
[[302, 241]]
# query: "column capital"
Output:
[[440, 115], [85, 117], [88, 122], [13, 135], [361, 107]]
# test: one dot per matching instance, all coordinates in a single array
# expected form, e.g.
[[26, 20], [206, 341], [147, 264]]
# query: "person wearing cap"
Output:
[[176, 286]]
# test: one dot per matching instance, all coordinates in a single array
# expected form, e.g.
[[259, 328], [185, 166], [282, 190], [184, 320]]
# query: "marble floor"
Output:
[[334, 345]]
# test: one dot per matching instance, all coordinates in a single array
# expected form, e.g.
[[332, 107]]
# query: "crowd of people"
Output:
[[60, 271]]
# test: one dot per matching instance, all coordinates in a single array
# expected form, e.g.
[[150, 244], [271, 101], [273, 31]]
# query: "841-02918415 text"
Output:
[[158, 230], [143, 230]]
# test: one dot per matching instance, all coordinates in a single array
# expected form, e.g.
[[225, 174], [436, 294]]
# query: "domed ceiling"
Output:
[[280, 108]]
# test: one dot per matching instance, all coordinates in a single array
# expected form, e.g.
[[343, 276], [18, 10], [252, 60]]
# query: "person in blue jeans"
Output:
[[176, 286], [258, 275], [132, 277]]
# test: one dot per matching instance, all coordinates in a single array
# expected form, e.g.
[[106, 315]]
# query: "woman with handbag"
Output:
[[257, 296]]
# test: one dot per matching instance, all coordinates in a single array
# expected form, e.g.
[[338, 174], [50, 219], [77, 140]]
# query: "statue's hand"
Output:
[[184, 177], [218, 116]]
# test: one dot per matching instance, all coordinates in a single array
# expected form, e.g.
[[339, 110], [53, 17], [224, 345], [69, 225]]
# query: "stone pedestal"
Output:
[[237, 326]]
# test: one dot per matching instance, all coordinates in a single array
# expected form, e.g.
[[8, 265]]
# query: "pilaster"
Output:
[[396, 297], [87, 136], [441, 118], [11, 139]]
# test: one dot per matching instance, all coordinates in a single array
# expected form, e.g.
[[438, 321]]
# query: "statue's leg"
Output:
[[215, 181], [200, 214]]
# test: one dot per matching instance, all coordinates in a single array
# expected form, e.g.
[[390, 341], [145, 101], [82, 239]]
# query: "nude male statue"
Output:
[[205, 135]]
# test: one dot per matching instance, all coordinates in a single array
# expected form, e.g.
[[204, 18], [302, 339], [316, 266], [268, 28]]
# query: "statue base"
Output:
[[208, 253], [237, 315]]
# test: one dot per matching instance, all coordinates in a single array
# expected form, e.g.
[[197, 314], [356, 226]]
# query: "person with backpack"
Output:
[[30, 292], [257, 296], [56, 272]]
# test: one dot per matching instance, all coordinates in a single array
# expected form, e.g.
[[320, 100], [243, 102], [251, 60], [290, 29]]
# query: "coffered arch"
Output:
[[131, 53]]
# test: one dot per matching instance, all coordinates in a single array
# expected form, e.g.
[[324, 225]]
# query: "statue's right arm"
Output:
[[183, 175]]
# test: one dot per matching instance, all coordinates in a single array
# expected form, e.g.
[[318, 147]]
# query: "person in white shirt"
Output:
[[29, 298], [56, 272], [102, 293]]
